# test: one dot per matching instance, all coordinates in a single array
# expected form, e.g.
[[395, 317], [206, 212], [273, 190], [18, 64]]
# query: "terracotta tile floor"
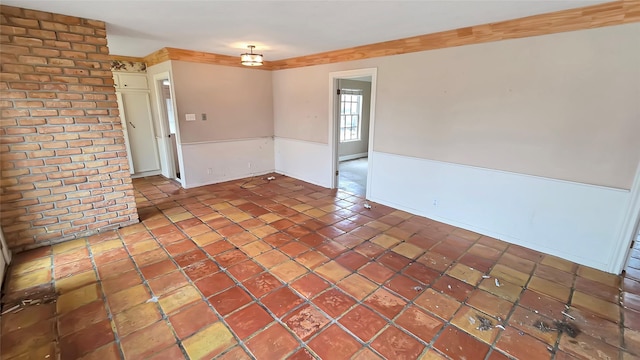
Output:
[[251, 269]]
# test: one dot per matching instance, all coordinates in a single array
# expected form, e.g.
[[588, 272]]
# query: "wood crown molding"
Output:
[[126, 58], [166, 54], [589, 17], [607, 14]]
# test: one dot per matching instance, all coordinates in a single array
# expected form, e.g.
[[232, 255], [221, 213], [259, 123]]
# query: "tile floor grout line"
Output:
[[107, 307], [164, 316]]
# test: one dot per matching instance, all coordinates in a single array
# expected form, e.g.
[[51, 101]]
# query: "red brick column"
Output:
[[63, 164]]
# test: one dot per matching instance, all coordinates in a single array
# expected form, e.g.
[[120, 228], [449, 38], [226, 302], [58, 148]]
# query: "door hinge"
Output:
[[336, 172], [338, 91]]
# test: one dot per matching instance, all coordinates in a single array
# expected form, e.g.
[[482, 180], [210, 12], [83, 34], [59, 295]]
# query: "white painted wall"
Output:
[[304, 160], [571, 220], [227, 160]]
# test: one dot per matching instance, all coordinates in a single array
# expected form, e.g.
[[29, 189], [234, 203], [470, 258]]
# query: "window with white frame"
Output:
[[350, 114]]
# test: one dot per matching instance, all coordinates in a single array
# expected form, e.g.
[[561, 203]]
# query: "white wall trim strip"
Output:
[[353, 156], [225, 140]]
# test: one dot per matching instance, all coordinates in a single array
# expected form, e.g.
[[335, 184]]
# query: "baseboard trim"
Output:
[[353, 156]]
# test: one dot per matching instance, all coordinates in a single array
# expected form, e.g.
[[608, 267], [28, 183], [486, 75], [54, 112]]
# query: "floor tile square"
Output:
[[332, 271], [510, 275], [271, 258], [457, 344], [363, 322], [521, 346], [310, 285], [179, 298], [408, 250], [262, 284], [249, 320], [596, 305], [386, 303], [357, 286], [94, 336], [280, 301], [244, 270], [376, 272], [200, 269], [394, 261], [369, 249], [288, 271], [351, 260], [394, 344], [543, 304], [191, 319], [438, 304], [334, 302], [127, 298], [453, 287], [549, 288], [76, 281], [526, 321], [305, 321], [167, 283], [229, 300], [490, 304], [334, 343], [419, 323], [77, 298], [148, 341], [435, 261], [136, 318], [274, 342], [583, 347], [214, 284], [209, 342], [502, 289], [471, 321], [157, 269]]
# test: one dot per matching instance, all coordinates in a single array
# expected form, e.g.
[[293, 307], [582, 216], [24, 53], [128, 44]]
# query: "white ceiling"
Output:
[[282, 29]]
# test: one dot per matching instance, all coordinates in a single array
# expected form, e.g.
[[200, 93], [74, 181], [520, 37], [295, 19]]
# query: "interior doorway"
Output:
[[168, 127], [353, 109]]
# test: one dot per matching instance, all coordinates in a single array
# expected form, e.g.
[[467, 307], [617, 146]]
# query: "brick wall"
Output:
[[63, 164]]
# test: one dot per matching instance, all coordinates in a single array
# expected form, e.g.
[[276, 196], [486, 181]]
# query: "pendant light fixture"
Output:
[[251, 59]]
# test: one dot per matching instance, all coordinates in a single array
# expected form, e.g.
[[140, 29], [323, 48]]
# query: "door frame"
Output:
[[125, 129], [334, 128], [166, 154], [629, 228]]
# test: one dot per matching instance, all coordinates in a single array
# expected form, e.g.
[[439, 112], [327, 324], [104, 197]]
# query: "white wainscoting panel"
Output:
[[218, 161], [575, 221], [304, 160]]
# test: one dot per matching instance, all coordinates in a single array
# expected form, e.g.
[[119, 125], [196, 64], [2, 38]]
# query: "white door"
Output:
[[139, 128], [5, 256]]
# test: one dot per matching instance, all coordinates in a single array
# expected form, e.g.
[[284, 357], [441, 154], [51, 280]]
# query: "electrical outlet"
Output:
[[209, 171], [249, 164], [435, 202], [204, 117]]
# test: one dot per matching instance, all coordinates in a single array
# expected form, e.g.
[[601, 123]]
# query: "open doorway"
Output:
[[353, 142], [169, 127], [352, 129]]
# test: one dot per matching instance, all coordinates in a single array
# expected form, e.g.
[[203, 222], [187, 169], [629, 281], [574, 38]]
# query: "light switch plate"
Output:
[[190, 117]]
